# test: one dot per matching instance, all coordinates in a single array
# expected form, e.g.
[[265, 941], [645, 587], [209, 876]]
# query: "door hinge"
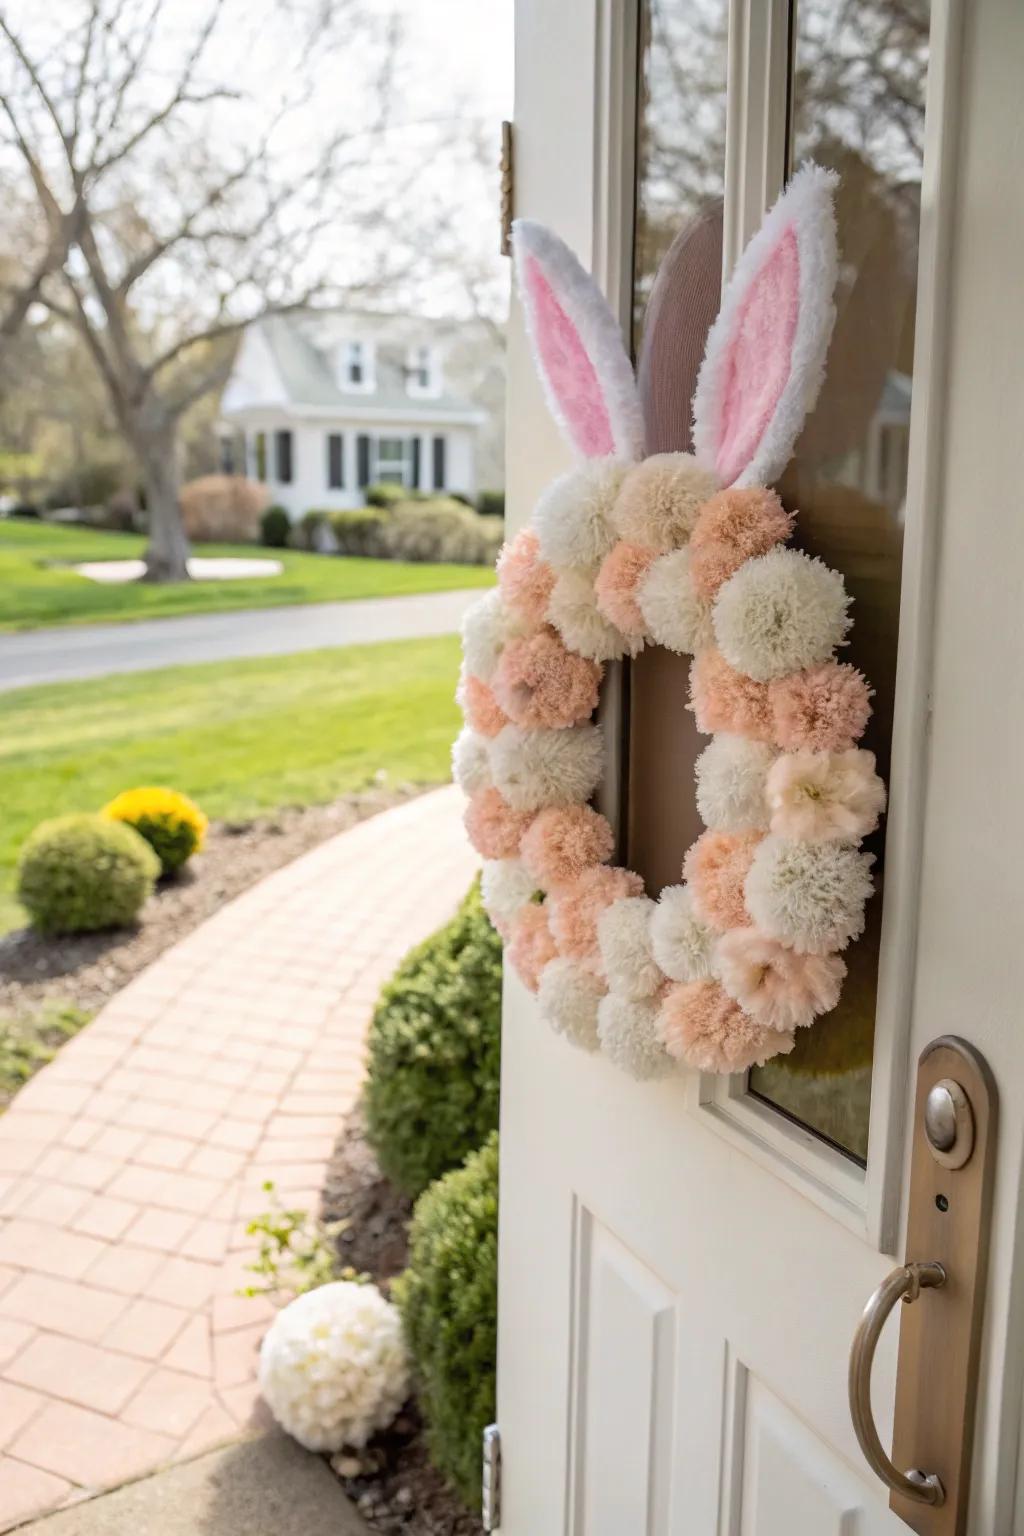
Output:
[[508, 188], [491, 1510]]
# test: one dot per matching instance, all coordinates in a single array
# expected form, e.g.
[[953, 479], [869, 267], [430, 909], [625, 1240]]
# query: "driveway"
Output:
[[95, 650]]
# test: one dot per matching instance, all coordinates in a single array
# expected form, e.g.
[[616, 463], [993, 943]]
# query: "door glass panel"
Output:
[[857, 105]]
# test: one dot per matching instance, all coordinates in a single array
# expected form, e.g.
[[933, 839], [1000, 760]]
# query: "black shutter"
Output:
[[414, 444], [283, 456], [440, 476], [335, 461], [362, 461]]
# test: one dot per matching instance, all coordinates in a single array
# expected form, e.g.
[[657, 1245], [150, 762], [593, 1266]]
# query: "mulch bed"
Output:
[[391, 1482]]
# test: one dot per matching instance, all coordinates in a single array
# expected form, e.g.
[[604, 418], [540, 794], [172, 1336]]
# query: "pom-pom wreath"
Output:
[[810, 896], [534, 769], [539, 683], [675, 616], [629, 1037], [731, 774], [563, 841], [576, 909], [524, 580], [732, 528], [815, 797], [506, 886], [702, 1026], [492, 825], [683, 945], [824, 709], [333, 1366], [615, 588], [779, 613], [624, 939], [572, 519], [722, 699], [574, 612], [568, 997], [531, 945], [715, 868], [471, 763], [486, 626], [775, 985], [660, 499], [482, 711]]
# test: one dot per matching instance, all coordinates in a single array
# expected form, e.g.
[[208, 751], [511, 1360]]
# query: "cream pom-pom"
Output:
[[731, 774], [568, 997], [486, 626], [683, 946], [506, 886], [675, 615], [628, 1032], [624, 939], [775, 985], [573, 610], [780, 613], [333, 1366], [534, 769], [471, 762], [809, 896], [572, 519], [660, 500], [817, 796]]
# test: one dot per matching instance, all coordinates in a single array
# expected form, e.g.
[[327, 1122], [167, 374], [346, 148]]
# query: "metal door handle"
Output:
[[906, 1283]]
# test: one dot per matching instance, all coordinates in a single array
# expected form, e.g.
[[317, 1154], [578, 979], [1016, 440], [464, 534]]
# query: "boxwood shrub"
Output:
[[77, 874]]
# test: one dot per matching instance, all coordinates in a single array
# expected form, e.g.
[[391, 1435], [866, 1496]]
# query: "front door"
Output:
[[684, 1263]]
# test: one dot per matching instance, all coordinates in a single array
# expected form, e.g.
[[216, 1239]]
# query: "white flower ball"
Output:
[[573, 610], [471, 762], [534, 769], [506, 886], [486, 627], [568, 999], [810, 896], [333, 1366], [572, 519], [779, 613], [676, 616], [682, 945], [628, 1032], [624, 938], [731, 774]]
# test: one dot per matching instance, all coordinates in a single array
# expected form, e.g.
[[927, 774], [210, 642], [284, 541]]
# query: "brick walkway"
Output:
[[130, 1165]]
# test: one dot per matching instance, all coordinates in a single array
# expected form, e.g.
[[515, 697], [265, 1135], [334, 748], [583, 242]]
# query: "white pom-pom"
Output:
[[471, 762], [486, 626], [779, 613], [676, 616], [731, 774], [660, 500], [573, 610], [568, 999], [333, 1366], [506, 886], [810, 896], [628, 1032], [683, 946], [534, 769], [572, 519], [624, 938]]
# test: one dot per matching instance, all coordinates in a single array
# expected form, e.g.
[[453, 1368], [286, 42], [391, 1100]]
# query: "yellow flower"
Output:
[[171, 823]]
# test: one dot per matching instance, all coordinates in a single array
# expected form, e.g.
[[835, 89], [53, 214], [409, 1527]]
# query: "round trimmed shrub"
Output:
[[77, 874], [435, 1050], [171, 823], [275, 526], [448, 1298]]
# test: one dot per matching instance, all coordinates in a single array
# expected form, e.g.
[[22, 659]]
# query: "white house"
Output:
[[321, 404]]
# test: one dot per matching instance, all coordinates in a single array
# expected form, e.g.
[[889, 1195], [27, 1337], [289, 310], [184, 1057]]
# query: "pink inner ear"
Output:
[[759, 359], [569, 370]]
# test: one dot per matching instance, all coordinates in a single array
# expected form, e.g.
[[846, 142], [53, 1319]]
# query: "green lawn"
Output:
[[38, 590], [241, 737]]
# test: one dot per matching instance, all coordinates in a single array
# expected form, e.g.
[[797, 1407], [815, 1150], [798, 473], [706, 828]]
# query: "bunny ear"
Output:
[[577, 346], [765, 356]]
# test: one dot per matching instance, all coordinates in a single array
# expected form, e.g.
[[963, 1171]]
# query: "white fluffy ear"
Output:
[[765, 357], [577, 346]]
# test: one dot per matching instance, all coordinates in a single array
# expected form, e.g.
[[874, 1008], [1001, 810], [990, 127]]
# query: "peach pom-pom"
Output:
[[734, 526], [775, 985], [563, 841], [818, 797], [823, 709], [531, 945], [702, 1026], [577, 907], [616, 584], [715, 868], [540, 683], [722, 699], [524, 579], [492, 826], [482, 711]]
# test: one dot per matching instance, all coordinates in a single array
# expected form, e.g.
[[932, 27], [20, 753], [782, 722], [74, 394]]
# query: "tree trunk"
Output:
[[167, 552]]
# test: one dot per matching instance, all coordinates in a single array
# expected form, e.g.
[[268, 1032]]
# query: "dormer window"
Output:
[[423, 371], [357, 365]]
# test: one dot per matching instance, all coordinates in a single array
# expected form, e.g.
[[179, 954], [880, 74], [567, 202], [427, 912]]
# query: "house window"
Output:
[[335, 461], [227, 456], [283, 457], [393, 461], [260, 455], [356, 371], [440, 466], [422, 371]]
